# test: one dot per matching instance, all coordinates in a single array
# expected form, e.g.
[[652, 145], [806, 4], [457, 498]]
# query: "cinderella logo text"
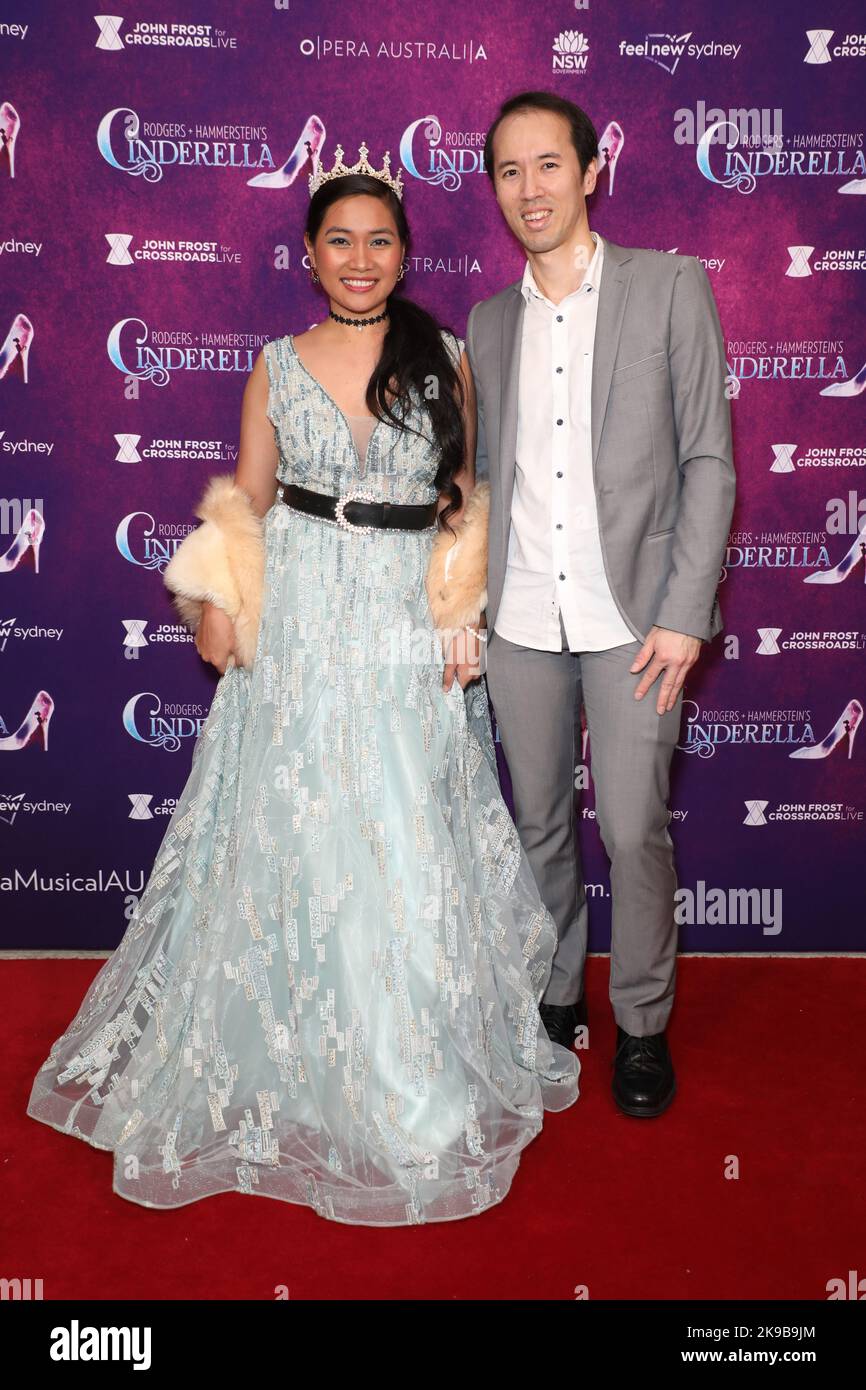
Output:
[[144, 148], [151, 354], [743, 168], [448, 157], [161, 725], [155, 544]]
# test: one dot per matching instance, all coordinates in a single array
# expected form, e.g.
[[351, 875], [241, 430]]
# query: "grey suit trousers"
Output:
[[536, 698]]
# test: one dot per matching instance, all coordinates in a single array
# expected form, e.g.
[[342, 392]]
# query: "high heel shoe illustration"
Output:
[[845, 565], [17, 346], [609, 150], [852, 387], [27, 542], [307, 147], [10, 122], [35, 722], [847, 723]]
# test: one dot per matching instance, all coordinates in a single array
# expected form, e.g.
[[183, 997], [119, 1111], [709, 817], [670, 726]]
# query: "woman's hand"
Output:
[[467, 657], [215, 638]]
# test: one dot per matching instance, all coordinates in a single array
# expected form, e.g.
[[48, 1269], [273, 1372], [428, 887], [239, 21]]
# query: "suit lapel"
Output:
[[616, 276], [616, 273], [509, 369]]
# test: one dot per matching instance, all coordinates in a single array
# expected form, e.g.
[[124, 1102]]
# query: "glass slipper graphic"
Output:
[[853, 186], [847, 723], [16, 348], [609, 149], [307, 146], [10, 122], [845, 565], [26, 543], [34, 723], [852, 387]]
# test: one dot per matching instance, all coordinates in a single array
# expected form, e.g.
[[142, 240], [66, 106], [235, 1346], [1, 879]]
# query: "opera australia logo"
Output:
[[162, 725], [570, 51]]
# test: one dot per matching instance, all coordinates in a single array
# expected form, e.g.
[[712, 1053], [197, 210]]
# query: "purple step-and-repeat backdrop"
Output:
[[152, 241]]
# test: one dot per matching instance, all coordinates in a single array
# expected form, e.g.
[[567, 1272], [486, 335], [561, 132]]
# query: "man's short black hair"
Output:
[[583, 133]]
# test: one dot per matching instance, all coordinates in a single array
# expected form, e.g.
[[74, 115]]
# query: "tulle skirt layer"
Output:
[[328, 993]]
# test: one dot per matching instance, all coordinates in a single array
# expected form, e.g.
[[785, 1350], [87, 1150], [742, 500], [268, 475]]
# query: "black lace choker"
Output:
[[358, 323]]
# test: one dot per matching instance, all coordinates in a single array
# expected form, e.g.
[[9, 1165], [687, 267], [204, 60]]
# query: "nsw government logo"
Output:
[[570, 52]]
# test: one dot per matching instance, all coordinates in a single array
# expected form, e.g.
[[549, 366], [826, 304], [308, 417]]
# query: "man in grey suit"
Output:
[[604, 425]]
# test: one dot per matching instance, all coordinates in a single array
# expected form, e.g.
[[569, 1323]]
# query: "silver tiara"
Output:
[[318, 176]]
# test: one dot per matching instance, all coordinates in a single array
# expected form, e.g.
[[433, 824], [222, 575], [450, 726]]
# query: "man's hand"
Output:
[[675, 653], [464, 657]]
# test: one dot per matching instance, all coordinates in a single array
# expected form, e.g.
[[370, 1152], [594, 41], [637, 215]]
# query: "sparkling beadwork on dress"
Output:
[[327, 992]]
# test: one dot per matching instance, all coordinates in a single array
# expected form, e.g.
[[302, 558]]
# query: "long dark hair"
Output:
[[413, 353]]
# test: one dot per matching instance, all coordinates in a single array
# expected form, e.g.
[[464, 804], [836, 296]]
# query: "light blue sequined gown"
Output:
[[328, 992]]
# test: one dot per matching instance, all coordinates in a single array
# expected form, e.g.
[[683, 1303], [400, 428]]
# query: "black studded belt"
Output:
[[359, 511]]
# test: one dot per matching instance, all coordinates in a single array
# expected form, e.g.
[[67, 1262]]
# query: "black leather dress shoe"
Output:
[[643, 1074], [561, 1021]]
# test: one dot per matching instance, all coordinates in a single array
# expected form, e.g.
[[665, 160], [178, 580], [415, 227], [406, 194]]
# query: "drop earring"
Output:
[[314, 275]]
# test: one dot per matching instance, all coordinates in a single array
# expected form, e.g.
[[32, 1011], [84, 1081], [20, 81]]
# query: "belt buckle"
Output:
[[342, 501]]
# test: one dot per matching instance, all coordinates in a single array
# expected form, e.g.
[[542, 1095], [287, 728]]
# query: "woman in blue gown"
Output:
[[328, 993]]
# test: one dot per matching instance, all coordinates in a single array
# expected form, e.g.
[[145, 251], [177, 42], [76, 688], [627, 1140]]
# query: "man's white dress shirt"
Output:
[[554, 550]]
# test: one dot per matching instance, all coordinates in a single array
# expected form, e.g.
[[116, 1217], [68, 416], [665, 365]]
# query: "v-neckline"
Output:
[[362, 463]]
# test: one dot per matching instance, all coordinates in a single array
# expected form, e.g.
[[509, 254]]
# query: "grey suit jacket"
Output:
[[662, 456]]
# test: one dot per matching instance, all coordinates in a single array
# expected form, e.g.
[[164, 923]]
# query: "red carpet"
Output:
[[769, 1062]]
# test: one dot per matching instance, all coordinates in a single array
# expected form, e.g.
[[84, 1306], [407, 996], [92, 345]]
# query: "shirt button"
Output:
[[562, 576], [559, 475], [559, 369], [559, 422], [559, 526], [559, 318]]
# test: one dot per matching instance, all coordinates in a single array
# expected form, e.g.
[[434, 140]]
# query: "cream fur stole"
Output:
[[457, 570], [222, 561]]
